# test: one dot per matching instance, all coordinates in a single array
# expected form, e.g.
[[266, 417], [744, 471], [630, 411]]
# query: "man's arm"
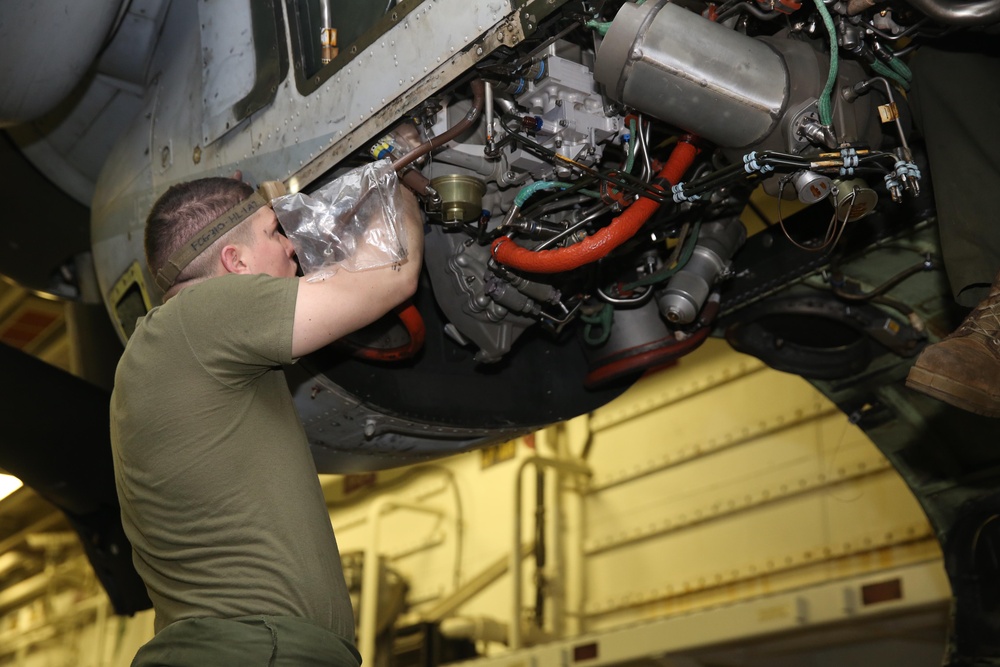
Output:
[[327, 310]]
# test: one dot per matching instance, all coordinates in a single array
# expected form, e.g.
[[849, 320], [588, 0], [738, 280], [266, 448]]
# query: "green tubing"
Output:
[[826, 97], [528, 190], [597, 327], [668, 272], [901, 68], [886, 71], [600, 26]]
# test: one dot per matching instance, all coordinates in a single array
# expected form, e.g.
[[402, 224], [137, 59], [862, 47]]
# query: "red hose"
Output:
[[593, 248], [411, 319], [645, 361]]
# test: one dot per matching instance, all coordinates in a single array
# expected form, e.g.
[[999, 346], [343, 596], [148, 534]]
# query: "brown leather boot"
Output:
[[964, 368]]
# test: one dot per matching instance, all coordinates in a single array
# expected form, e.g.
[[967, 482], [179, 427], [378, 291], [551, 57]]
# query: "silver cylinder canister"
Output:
[[693, 73], [686, 292], [811, 187]]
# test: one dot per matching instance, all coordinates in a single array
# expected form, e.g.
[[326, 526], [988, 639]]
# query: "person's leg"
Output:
[[955, 100]]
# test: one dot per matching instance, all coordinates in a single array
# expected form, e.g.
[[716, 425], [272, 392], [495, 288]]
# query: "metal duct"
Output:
[[61, 39]]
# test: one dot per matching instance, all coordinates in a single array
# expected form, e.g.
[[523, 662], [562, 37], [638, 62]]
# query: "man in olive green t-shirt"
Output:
[[219, 494]]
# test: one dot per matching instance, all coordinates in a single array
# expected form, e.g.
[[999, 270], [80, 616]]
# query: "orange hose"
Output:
[[593, 248], [410, 318]]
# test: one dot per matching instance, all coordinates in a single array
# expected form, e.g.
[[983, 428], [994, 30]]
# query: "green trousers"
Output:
[[252, 641], [956, 99]]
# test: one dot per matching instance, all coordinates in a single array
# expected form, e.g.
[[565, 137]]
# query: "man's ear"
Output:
[[232, 259]]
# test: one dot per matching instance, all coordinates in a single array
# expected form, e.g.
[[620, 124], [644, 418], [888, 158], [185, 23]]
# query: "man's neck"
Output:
[[176, 289]]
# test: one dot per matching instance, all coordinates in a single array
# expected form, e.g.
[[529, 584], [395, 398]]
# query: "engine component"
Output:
[[638, 340], [461, 197], [475, 111], [569, 111], [853, 199], [399, 141], [600, 244], [653, 58], [812, 187], [545, 127], [688, 290], [459, 273], [738, 92]]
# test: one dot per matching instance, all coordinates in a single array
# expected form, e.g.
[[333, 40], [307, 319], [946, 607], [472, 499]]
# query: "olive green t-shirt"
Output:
[[219, 492]]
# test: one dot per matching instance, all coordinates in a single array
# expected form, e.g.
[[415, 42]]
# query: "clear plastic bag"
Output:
[[351, 222]]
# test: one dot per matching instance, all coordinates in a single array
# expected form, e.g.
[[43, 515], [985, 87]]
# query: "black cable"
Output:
[[930, 262], [750, 9], [579, 184], [624, 181]]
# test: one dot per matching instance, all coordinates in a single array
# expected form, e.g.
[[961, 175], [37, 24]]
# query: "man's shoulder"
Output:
[[232, 282], [232, 289]]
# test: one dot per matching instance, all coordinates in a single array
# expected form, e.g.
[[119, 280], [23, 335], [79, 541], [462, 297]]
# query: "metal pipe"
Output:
[[45, 628], [25, 590], [489, 113], [515, 553], [39, 526], [592, 213], [478, 102], [327, 33], [473, 587], [540, 550], [37, 585], [476, 628], [369, 577]]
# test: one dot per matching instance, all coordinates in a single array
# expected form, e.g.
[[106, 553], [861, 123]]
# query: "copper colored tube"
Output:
[[478, 101], [416, 181]]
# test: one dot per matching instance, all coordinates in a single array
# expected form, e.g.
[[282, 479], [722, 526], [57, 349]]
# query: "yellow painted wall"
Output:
[[715, 486]]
